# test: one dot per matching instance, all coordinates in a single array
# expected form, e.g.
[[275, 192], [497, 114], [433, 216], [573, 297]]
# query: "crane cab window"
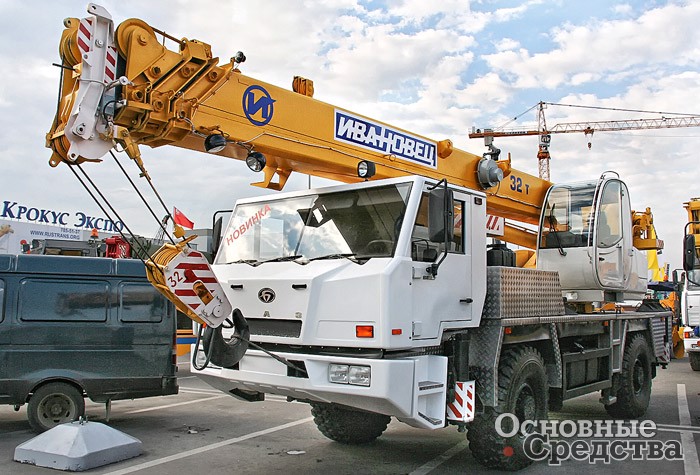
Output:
[[566, 217], [610, 215], [424, 250]]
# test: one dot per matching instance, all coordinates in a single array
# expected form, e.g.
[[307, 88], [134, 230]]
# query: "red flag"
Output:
[[181, 219]]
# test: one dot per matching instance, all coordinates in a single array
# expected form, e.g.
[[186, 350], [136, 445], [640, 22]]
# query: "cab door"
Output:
[[445, 300], [613, 236]]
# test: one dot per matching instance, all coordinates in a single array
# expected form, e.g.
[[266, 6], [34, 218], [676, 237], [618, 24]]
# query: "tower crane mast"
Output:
[[587, 127]]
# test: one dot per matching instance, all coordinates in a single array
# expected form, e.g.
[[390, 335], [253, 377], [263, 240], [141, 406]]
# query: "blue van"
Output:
[[76, 327]]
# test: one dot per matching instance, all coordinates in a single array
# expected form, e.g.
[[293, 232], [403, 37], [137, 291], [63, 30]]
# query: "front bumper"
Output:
[[390, 392]]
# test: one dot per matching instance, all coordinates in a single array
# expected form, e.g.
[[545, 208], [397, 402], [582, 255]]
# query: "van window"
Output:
[[2, 300], [140, 303], [63, 301]]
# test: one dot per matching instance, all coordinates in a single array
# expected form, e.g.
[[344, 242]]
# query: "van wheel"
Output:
[[53, 404]]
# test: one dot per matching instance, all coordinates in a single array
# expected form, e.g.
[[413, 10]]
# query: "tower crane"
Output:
[[588, 128]]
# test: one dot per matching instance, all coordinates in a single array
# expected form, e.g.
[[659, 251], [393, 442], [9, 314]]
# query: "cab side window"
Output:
[[424, 250]]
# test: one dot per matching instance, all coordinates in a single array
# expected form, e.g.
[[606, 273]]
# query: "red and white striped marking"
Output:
[[462, 409], [85, 44], [85, 35], [495, 225], [111, 64], [189, 268]]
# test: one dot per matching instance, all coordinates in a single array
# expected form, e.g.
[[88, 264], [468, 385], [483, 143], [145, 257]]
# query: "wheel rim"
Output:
[[56, 409], [639, 376], [526, 403]]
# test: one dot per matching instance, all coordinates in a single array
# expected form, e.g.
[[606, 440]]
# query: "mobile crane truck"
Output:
[[690, 284], [372, 299]]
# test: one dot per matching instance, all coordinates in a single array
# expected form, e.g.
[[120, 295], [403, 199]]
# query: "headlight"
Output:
[[346, 374], [360, 375], [338, 373]]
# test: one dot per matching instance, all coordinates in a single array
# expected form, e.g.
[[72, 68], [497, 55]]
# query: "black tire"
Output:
[[348, 426], [694, 358], [53, 404], [522, 391], [634, 392]]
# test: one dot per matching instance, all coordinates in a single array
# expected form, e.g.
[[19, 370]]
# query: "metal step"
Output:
[[432, 420], [425, 385]]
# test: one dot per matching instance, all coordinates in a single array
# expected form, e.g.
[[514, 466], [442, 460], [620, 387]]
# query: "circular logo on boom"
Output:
[[266, 295], [258, 105]]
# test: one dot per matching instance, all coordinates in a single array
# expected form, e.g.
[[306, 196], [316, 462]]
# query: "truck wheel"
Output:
[[348, 426], [634, 391], [522, 391], [694, 357], [53, 404]]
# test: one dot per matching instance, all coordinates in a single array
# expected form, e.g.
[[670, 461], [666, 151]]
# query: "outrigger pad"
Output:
[[78, 446]]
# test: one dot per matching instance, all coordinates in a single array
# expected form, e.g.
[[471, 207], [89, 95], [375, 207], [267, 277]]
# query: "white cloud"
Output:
[[415, 64], [506, 44], [622, 9], [666, 36]]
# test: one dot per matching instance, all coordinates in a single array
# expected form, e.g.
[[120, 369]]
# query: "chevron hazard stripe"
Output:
[[462, 409], [495, 225], [192, 281], [84, 39]]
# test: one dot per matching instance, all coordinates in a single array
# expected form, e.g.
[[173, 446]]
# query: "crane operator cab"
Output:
[[586, 235]]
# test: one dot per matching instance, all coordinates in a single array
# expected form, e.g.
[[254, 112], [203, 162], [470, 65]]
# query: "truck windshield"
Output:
[[360, 223]]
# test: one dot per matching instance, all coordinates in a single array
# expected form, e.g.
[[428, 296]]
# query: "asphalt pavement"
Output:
[[202, 430]]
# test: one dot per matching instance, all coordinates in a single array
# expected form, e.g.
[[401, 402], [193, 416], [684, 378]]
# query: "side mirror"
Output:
[[689, 252], [216, 237], [441, 201]]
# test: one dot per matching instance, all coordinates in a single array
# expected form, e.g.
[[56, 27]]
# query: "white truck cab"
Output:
[[337, 279]]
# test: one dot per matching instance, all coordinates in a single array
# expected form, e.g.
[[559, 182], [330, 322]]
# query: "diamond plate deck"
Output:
[[513, 292]]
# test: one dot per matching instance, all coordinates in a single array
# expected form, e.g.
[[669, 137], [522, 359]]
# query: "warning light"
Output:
[[364, 331]]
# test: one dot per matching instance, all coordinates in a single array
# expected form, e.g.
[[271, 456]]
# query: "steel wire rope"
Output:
[[157, 278], [619, 109], [164, 254], [141, 247], [99, 204], [143, 199]]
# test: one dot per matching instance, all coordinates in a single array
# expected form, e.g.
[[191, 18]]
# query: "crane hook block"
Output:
[[185, 277]]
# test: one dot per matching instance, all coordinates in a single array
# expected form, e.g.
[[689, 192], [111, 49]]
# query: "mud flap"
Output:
[[227, 353]]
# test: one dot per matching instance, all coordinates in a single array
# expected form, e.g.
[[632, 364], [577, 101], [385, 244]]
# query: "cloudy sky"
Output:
[[434, 68]]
